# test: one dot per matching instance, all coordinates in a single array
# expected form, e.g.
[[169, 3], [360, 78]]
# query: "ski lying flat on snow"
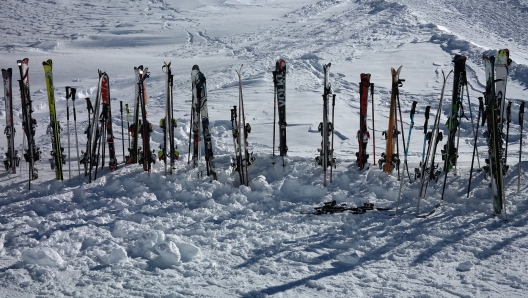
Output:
[[332, 207]]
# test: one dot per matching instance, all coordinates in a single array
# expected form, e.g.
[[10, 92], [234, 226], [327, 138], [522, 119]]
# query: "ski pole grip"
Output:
[[521, 113], [413, 109], [73, 91], [121, 106], [481, 104], [427, 111], [68, 92]]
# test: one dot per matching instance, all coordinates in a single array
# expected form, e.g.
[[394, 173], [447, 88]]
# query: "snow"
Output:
[[130, 234]]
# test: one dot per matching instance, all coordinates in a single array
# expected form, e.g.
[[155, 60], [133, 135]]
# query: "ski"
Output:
[[168, 123], [236, 163], [32, 154], [57, 154], [325, 158], [88, 132], [279, 80], [133, 129], [106, 116], [244, 129], [12, 160], [436, 137], [495, 102], [363, 135], [201, 113], [96, 131], [426, 137], [450, 151], [390, 160], [146, 155], [333, 207]]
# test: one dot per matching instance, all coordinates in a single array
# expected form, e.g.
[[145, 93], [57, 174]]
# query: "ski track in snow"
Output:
[[129, 234]]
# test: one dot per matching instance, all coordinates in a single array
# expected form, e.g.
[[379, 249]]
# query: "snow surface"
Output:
[[129, 234]]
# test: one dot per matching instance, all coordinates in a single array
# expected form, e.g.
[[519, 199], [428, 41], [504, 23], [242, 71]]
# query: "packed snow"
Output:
[[134, 234]]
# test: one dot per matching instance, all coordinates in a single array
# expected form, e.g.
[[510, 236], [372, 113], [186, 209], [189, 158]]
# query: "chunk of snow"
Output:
[[43, 256]]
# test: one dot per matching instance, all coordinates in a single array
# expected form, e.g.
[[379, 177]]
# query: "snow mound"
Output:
[[188, 252], [465, 266], [43, 256], [118, 255], [169, 253]]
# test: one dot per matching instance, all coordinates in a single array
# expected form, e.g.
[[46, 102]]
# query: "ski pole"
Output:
[[73, 91], [332, 164], [122, 130], [508, 119], [402, 132], [472, 124], [461, 113], [274, 113], [128, 123], [521, 122], [190, 132], [373, 130], [481, 110], [68, 129]]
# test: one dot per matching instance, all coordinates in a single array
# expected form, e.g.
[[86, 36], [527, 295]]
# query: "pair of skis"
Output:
[[12, 159], [363, 135], [494, 116], [200, 115], [32, 153], [326, 152], [168, 150], [99, 129], [243, 158], [389, 159], [279, 82], [142, 155]]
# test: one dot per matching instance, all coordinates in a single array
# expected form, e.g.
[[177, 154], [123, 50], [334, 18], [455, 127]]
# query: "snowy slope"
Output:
[[130, 234]]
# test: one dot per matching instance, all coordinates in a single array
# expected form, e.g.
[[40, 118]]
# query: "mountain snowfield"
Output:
[[131, 234]]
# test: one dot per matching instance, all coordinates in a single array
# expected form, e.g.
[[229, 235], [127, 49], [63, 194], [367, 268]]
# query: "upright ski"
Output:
[[436, 137], [201, 113], [244, 129], [134, 128], [57, 154], [32, 154], [12, 160], [326, 158], [146, 155], [107, 119], [450, 151], [279, 80], [390, 160], [168, 150], [363, 135]]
